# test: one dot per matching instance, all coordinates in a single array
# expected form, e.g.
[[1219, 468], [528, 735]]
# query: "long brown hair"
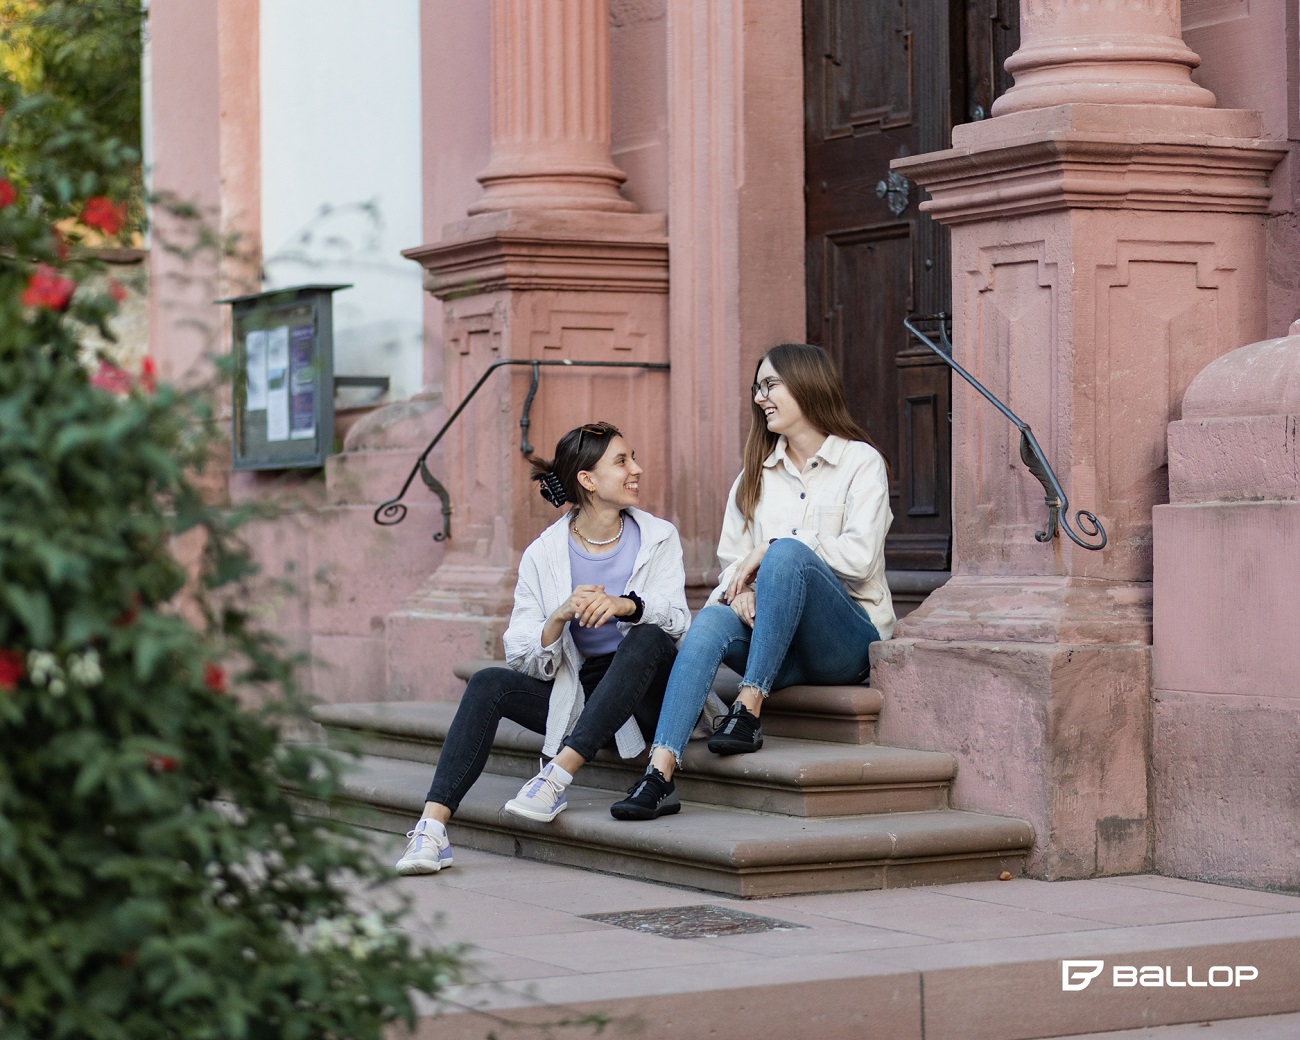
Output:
[[813, 382]]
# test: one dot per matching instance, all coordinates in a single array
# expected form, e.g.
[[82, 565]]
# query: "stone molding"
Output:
[[1068, 165], [558, 251]]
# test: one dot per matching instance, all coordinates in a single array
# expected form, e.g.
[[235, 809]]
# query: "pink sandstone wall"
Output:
[[1250, 58], [639, 99], [184, 102], [454, 113]]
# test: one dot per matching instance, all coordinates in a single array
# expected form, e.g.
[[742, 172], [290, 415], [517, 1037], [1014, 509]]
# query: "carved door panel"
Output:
[[883, 80]]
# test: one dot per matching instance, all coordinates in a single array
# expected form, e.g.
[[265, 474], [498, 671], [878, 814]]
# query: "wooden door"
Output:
[[882, 80]]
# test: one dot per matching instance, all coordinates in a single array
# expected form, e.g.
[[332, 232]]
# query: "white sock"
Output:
[[429, 825], [560, 776]]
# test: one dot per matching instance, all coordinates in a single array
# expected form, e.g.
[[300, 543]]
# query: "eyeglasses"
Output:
[[763, 388]]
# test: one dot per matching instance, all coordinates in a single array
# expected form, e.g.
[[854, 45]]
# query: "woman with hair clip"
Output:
[[802, 594], [599, 607]]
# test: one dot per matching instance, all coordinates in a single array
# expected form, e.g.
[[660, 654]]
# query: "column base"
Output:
[[1055, 734], [460, 614]]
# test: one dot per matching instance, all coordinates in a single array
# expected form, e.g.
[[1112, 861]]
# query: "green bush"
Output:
[[154, 879]]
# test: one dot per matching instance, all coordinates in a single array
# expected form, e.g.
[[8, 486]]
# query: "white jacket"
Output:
[[545, 581], [838, 507]]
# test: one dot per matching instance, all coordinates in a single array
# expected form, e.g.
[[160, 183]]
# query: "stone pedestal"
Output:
[[1225, 741], [1102, 255], [576, 286]]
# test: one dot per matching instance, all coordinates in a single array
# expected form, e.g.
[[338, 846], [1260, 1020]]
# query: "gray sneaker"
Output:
[[427, 851], [543, 798]]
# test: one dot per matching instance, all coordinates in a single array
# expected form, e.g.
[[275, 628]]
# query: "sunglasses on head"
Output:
[[600, 429]]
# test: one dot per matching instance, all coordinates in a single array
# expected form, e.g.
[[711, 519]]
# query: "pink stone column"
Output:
[[551, 263], [1107, 243], [1101, 52], [550, 109]]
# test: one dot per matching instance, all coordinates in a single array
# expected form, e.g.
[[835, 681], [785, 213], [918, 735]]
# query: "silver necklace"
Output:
[[573, 524]]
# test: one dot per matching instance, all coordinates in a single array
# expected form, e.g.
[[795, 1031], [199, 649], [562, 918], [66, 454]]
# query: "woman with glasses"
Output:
[[599, 607], [802, 594]]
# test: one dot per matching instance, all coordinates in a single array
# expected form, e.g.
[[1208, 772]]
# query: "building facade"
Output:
[[1100, 194]]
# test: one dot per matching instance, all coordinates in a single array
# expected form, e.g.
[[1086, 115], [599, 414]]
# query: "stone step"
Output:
[[789, 776], [737, 852], [843, 714]]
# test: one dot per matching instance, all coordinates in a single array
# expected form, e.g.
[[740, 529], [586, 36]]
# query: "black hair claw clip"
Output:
[[552, 490]]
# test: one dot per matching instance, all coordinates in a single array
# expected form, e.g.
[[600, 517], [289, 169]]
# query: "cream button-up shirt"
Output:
[[838, 506]]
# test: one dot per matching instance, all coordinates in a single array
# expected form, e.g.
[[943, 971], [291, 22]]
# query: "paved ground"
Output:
[[955, 961]]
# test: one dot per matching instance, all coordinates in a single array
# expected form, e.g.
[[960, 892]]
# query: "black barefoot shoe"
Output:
[[649, 798], [736, 732]]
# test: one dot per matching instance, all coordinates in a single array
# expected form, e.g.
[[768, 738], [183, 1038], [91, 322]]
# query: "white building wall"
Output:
[[340, 95]]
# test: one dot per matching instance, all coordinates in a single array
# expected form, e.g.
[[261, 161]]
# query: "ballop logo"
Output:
[[1076, 975]]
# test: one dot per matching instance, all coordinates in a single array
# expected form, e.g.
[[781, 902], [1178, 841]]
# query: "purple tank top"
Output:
[[611, 569]]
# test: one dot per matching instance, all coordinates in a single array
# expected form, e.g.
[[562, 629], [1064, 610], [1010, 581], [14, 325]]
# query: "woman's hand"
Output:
[[598, 607], [746, 571], [743, 605], [567, 611], [572, 607]]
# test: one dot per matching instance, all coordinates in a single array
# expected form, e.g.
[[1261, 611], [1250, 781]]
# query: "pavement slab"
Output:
[[970, 961]]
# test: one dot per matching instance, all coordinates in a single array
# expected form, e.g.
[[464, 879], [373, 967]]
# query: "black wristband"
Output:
[[637, 614]]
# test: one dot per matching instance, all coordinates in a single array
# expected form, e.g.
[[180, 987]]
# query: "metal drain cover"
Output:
[[693, 922]]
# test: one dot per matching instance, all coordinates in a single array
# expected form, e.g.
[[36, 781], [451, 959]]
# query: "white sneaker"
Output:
[[542, 798], [428, 851]]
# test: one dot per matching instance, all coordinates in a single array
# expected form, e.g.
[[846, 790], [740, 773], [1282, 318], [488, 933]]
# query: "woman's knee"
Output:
[[785, 558], [488, 685], [647, 638], [715, 624]]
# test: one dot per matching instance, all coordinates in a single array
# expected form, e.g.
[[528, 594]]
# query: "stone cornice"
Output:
[[1070, 169], [577, 252]]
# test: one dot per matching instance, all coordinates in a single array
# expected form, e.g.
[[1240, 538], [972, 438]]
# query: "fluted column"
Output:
[[550, 109], [1123, 52]]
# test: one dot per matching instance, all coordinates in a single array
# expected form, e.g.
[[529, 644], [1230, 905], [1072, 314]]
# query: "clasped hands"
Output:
[[740, 595], [591, 607]]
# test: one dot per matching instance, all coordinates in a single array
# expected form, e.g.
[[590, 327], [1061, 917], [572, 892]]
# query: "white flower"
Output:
[[85, 669], [43, 666]]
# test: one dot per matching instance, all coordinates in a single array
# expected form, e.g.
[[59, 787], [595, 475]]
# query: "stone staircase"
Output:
[[821, 808]]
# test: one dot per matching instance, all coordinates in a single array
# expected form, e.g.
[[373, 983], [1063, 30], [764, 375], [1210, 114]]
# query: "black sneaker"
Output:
[[649, 798], [736, 732]]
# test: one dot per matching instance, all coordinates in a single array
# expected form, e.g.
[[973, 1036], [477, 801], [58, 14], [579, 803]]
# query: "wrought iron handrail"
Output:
[[1031, 454], [394, 511]]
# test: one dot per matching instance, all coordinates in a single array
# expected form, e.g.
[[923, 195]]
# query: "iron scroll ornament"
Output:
[[393, 511], [1031, 454]]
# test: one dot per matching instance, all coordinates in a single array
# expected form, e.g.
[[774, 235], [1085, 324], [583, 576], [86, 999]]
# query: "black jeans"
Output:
[[628, 683]]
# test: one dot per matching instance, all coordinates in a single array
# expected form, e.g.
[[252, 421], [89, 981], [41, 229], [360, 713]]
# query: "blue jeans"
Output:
[[807, 629]]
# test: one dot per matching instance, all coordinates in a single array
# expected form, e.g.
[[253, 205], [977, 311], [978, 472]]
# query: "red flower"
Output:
[[116, 290], [7, 193], [162, 763], [13, 666], [214, 677], [111, 378], [47, 288], [148, 375], [102, 213]]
